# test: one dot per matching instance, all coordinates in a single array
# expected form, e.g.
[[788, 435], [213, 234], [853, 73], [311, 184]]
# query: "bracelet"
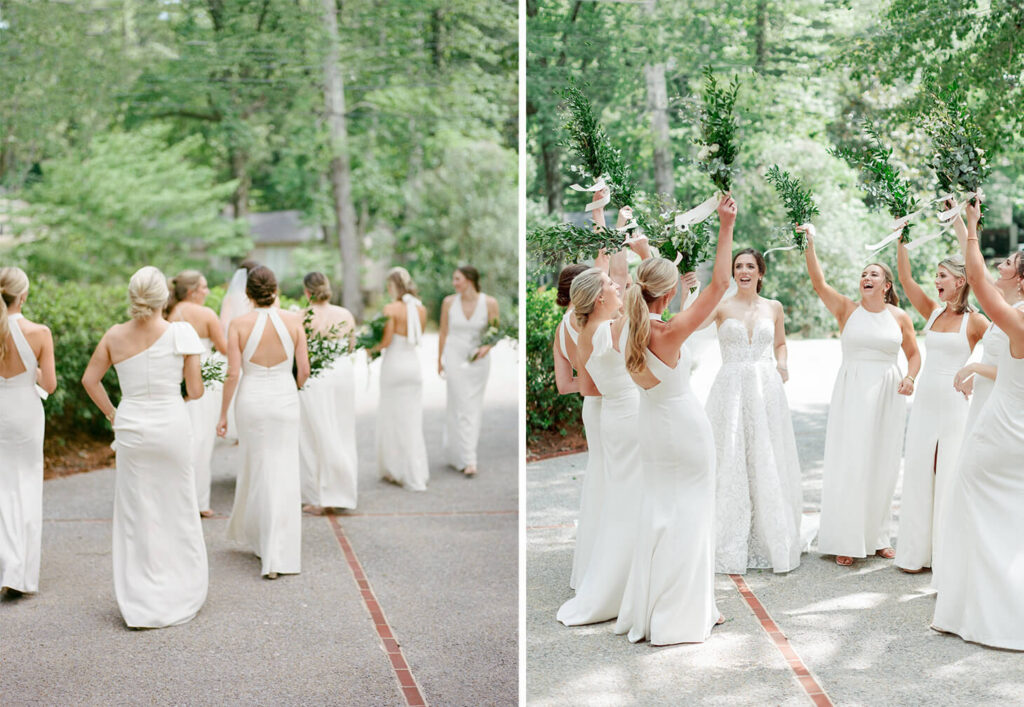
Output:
[[782, 368], [111, 416], [972, 239], [909, 377]]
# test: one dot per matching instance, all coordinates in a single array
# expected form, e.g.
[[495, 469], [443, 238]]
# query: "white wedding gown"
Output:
[[267, 514], [592, 493], [22, 424], [863, 439], [993, 344], [935, 431], [758, 497], [203, 414], [670, 597], [599, 590], [327, 442], [465, 381], [981, 593], [159, 553], [401, 447]]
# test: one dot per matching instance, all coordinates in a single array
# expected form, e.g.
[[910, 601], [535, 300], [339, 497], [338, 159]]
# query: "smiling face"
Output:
[[612, 300], [746, 272], [873, 282], [1009, 280], [948, 284]]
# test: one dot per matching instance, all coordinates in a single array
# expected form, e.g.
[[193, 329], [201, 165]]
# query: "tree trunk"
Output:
[[552, 177], [240, 171], [657, 105], [761, 35], [340, 170]]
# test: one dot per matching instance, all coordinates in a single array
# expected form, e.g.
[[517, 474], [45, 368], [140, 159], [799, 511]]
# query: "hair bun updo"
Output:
[[261, 286], [318, 286], [147, 291]]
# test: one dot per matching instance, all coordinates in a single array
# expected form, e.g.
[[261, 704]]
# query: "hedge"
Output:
[[545, 408]]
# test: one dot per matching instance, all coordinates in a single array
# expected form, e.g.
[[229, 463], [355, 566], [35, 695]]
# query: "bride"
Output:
[[758, 497]]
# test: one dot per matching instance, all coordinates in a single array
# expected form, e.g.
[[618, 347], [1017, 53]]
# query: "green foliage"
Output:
[[882, 180], [545, 408], [213, 370], [571, 243], [78, 315], [718, 127], [323, 347], [959, 161], [371, 334], [496, 331], [797, 201], [126, 200]]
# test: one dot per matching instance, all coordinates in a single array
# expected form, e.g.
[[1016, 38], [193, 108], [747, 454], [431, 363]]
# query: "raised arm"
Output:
[[924, 304], [682, 325], [1002, 314], [836, 303]]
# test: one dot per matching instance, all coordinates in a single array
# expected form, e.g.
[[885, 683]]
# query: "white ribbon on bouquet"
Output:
[[596, 186], [698, 213]]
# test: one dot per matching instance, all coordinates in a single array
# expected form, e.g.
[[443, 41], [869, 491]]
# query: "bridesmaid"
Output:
[[186, 304], [598, 358], [592, 493], [159, 554], [936, 425], [327, 439], [26, 356], [864, 436], [464, 316], [758, 497], [982, 578], [670, 596], [401, 447], [267, 514]]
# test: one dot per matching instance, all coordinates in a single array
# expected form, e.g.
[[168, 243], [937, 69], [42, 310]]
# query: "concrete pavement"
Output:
[[847, 637], [441, 579]]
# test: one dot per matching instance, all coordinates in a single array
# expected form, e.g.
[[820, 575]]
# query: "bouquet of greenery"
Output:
[[323, 347], [796, 199], [688, 246], [370, 335], [568, 242], [214, 370], [959, 160], [882, 179], [495, 332], [600, 161], [718, 148]]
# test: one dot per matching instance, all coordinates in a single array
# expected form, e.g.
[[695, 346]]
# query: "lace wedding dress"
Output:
[[758, 497]]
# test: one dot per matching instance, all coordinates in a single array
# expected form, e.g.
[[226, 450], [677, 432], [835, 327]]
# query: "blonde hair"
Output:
[[655, 278], [147, 291], [955, 265], [179, 287], [890, 294], [400, 278], [583, 293], [318, 286], [13, 284]]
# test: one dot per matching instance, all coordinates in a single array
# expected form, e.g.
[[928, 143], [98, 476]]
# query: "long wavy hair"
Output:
[[955, 265], [583, 294]]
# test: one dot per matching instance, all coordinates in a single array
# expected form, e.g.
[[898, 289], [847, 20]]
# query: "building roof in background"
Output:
[[282, 227]]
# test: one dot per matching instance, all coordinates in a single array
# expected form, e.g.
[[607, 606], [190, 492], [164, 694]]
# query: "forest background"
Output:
[[812, 72], [136, 133]]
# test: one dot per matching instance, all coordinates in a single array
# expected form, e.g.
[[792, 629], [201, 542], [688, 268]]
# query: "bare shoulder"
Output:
[[290, 318], [775, 305], [35, 328], [393, 308], [491, 301], [447, 301], [901, 316]]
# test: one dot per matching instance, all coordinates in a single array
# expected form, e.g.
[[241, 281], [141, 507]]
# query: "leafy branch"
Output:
[[797, 201], [571, 243], [959, 160], [718, 128]]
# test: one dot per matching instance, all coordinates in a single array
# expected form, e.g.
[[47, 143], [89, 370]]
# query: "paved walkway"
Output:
[[412, 599], [821, 634]]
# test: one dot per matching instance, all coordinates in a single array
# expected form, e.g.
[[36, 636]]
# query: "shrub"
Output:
[[545, 408], [78, 315]]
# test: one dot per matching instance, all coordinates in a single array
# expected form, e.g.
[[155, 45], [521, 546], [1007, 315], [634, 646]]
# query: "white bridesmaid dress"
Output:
[[267, 514], [758, 498], [936, 425], [203, 414], [465, 381], [401, 447], [327, 441], [670, 597], [592, 493], [981, 597], [993, 344], [22, 425], [599, 590], [863, 439], [159, 554]]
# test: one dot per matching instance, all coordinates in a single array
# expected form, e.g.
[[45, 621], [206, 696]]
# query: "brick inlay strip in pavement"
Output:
[[406, 682], [803, 676]]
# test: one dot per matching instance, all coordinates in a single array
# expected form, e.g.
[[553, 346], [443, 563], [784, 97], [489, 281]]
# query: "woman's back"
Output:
[[268, 350]]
